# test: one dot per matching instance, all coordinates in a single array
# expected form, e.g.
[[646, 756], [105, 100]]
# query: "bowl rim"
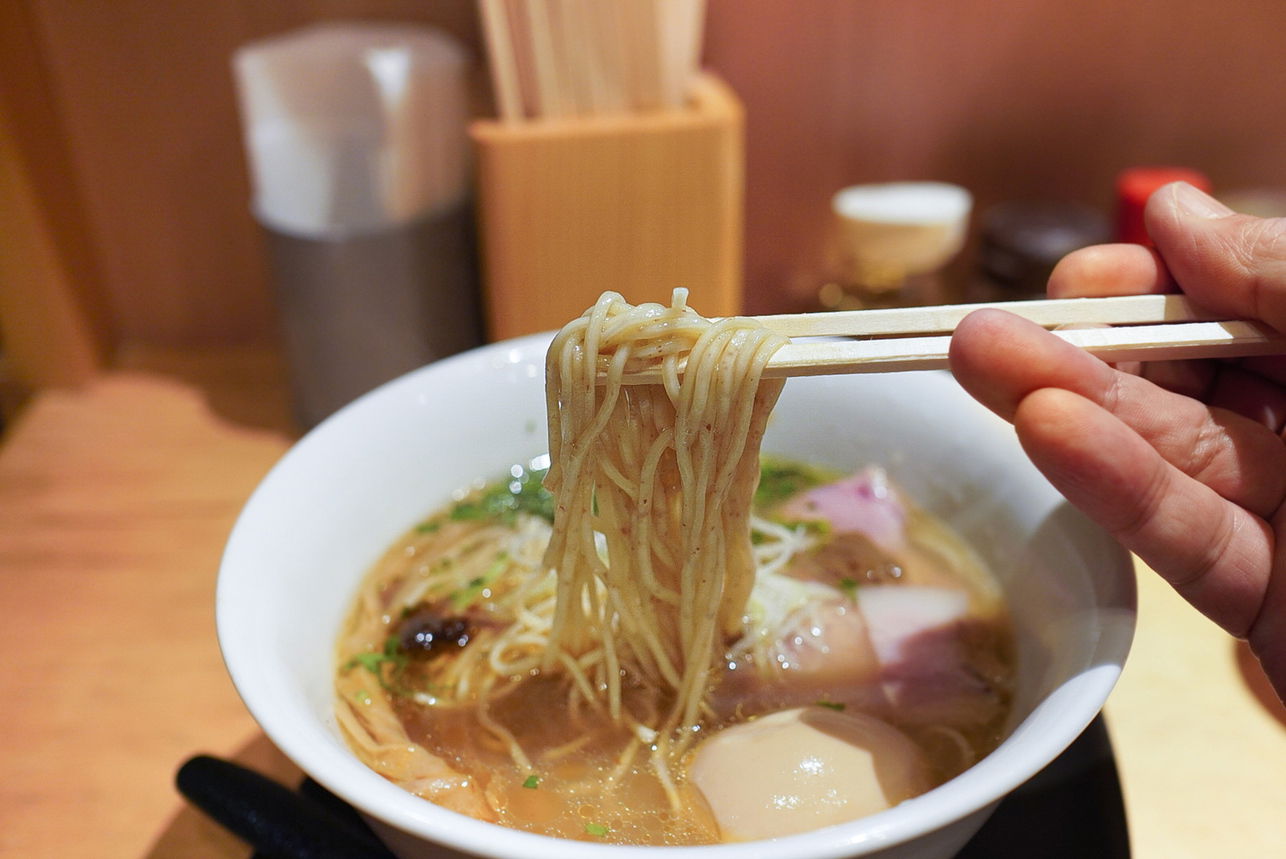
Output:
[[1074, 705]]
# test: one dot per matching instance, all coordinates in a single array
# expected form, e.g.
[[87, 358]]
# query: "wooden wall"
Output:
[[1011, 99], [124, 115], [145, 96]]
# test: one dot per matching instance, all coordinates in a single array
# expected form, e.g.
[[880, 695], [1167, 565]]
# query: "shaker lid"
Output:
[[1135, 185]]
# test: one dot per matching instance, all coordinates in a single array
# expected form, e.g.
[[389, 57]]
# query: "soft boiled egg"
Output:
[[797, 770]]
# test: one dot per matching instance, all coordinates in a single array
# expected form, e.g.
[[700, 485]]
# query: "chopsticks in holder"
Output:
[[1147, 328], [560, 59]]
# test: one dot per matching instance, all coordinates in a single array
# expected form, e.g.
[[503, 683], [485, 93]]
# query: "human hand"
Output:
[[1185, 464]]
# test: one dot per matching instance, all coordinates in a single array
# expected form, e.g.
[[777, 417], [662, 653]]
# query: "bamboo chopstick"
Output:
[[1149, 328], [1116, 310], [1179, 341], [504, 72], [557, 59]]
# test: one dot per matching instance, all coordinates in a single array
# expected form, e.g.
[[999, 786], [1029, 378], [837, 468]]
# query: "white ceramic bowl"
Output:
[[366, 475]]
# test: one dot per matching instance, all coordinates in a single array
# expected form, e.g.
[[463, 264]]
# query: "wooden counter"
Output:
[[115, 501]]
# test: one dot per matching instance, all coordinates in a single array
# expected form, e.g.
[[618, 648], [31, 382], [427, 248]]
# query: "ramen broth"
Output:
[[863, 606]]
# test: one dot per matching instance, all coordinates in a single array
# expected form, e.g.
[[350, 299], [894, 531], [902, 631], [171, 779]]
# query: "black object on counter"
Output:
[[1071, 809], [278, 822]]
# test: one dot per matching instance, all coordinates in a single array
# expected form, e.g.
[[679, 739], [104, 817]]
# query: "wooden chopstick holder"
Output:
[[635, 203]]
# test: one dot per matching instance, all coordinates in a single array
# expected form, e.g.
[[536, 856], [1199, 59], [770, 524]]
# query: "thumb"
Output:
[[1230, 263]]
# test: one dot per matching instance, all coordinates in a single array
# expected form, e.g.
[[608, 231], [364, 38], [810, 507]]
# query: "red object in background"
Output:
[[1133, 188]]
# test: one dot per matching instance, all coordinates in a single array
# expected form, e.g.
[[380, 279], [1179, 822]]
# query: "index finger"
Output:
[[1001, 359], [1127, 269], [1103, 270]]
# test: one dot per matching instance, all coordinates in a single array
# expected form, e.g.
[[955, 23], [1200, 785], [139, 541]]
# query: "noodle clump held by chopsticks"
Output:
[[654, 485], [625, 605]]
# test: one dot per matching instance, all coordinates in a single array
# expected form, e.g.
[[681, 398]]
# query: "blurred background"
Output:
[[127, 225], [152, 324]]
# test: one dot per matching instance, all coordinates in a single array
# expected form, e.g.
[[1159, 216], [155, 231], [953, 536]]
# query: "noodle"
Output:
[[648, 566], [667, 473]]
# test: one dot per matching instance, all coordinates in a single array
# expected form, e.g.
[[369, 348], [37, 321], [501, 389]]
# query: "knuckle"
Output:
[[1259, 249], [1144, 513], [1204, 454], [1204, 563]]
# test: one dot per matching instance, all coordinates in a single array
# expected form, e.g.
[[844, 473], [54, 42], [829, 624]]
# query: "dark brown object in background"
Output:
[[1022, 241]]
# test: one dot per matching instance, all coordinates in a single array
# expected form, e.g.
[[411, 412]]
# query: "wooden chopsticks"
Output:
[[1049, 313], [1146, 328], [556, 59]]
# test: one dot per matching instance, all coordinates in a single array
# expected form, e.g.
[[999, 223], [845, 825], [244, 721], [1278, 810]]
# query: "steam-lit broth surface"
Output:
[[864, 608]]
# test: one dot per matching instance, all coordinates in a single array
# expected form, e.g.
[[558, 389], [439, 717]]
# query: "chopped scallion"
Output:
[[782, 479], [504, 500], [462, 599], [375, 662]]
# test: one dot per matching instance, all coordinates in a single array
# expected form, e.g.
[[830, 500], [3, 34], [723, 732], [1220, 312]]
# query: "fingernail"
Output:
[[1195, 203]]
